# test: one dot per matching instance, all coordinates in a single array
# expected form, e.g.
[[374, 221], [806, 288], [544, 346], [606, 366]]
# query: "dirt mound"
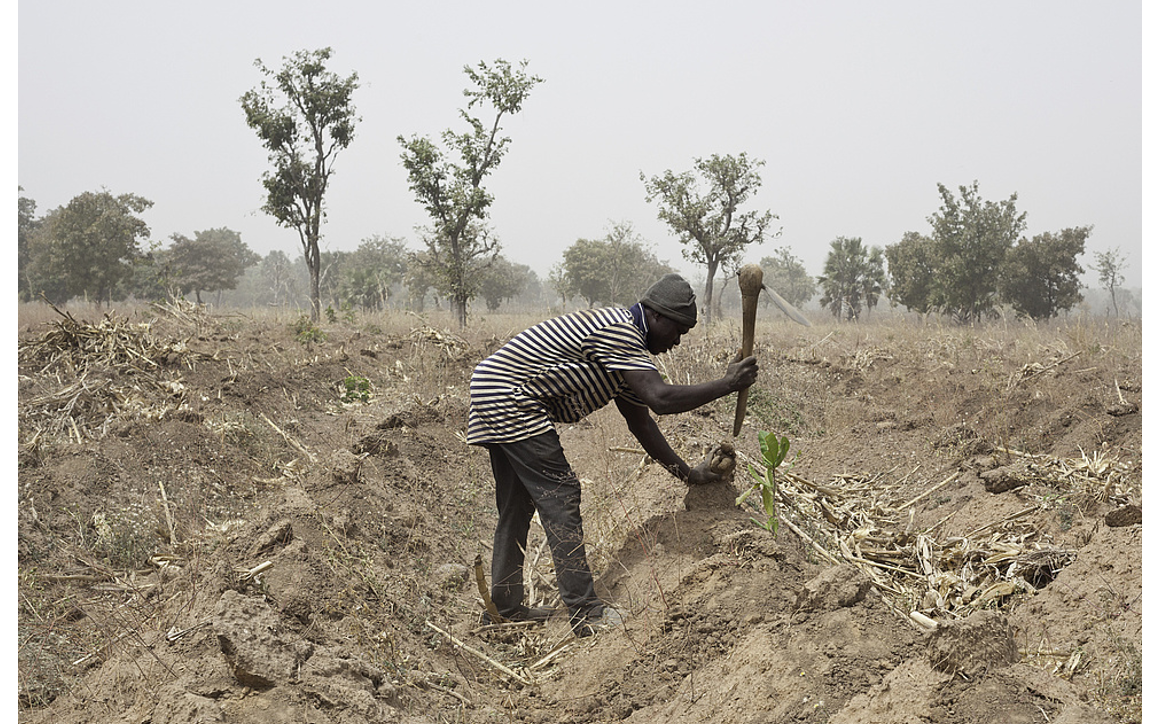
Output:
[[220, 521]]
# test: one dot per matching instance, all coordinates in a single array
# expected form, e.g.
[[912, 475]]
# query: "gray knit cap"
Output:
[[672, 297]]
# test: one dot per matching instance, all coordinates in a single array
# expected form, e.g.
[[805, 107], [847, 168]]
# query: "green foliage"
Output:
[[971, 241], [355, 389], [373, 271], [773, 451], [306, 332], [503, 280], [853, 276], [304, 116], [214, 260], [459, 245], [977, 260], [614, 270], [784, 273], [1040, 276], [702, 208], [85, 248], [911, 263]]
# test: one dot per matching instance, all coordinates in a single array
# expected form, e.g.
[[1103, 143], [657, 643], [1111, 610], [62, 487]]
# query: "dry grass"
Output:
[[64, 400]]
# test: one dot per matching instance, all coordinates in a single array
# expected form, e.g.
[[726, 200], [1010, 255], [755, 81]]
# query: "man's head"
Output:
[[672, 297], [670, 305]]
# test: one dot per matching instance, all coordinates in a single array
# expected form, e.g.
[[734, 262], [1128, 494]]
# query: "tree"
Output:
[[331, 280], [971, 240], [87, 247], [374, 270], [911, 263], [701, 207], [504, 280], [1109, 265], [304, 117], [419, 279], [279, 280], [27, 225], [561, 283], [616, 269], [459, 246], [852, 277], [212, 261], [1040, 276], [784, 273]]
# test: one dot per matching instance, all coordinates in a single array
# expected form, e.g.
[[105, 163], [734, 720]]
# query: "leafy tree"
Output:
[[331, 279], [1040, 276], [459, 246], [87, 247], [853, 276], [971, 240], [561, 283], [912, 266], [616, 269], [784, 273], [504, 280], [419, 279], [1109, 265], [304, 116], [278, 277], [212, 261], [374, 270], [702, 209], [28, 223]]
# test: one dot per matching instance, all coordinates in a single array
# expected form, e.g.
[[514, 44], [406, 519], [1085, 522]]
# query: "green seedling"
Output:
[[306, 332], [356, 389], [773, 451]]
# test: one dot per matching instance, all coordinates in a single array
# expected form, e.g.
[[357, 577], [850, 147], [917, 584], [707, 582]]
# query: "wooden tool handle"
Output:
[[750, 282]]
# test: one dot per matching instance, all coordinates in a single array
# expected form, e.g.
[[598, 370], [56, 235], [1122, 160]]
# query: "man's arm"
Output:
[[666, 399], [647, 432]]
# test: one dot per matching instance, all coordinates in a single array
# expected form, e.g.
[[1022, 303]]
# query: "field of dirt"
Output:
[[235, 518]]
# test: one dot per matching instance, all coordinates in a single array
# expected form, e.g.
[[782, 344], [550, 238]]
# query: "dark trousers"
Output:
[[531, 475]]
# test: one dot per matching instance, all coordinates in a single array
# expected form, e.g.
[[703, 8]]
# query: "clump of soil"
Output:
[[211, 530]]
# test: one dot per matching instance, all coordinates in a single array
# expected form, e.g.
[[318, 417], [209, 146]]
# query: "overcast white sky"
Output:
[[858, 109]]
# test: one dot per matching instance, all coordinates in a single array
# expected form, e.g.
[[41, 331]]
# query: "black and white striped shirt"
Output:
[[560, 370]]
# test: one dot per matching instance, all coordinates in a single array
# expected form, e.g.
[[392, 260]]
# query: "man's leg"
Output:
[[515, 510], [542, 470]]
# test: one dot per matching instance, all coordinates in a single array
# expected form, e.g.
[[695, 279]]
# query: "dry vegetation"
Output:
[[188, 477]]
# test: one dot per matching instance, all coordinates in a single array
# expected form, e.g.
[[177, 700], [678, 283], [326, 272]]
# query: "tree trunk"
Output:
[[709, 288]]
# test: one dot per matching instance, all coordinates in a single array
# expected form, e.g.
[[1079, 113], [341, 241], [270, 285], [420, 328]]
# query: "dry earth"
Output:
[[207, 533]]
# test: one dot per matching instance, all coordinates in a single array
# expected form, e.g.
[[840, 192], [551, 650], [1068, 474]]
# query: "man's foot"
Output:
[[604, 618], [523, 613]]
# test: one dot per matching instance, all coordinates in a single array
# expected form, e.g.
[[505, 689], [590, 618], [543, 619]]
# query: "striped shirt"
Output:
[[560, 370]]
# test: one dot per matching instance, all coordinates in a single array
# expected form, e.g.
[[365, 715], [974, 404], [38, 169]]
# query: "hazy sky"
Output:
[[858, 109]]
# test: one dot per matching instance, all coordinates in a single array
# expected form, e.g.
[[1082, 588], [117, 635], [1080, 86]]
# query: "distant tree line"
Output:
[[975, 262]]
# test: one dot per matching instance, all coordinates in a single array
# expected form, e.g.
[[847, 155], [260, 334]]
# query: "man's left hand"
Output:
[[717, 467]]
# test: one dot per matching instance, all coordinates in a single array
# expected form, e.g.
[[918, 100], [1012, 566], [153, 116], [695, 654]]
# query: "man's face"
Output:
[[663, 333]]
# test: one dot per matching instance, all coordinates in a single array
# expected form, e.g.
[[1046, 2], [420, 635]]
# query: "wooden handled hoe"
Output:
[[750, 283]]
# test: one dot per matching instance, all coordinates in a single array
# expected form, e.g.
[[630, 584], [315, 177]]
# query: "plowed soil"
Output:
[[212, 530]]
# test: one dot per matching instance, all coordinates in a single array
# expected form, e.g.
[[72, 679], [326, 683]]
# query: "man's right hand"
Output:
[[742, 374]]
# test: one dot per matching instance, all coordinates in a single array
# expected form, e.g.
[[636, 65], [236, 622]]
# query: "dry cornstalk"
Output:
[[478, 654], [168, 514], [291, 441]]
